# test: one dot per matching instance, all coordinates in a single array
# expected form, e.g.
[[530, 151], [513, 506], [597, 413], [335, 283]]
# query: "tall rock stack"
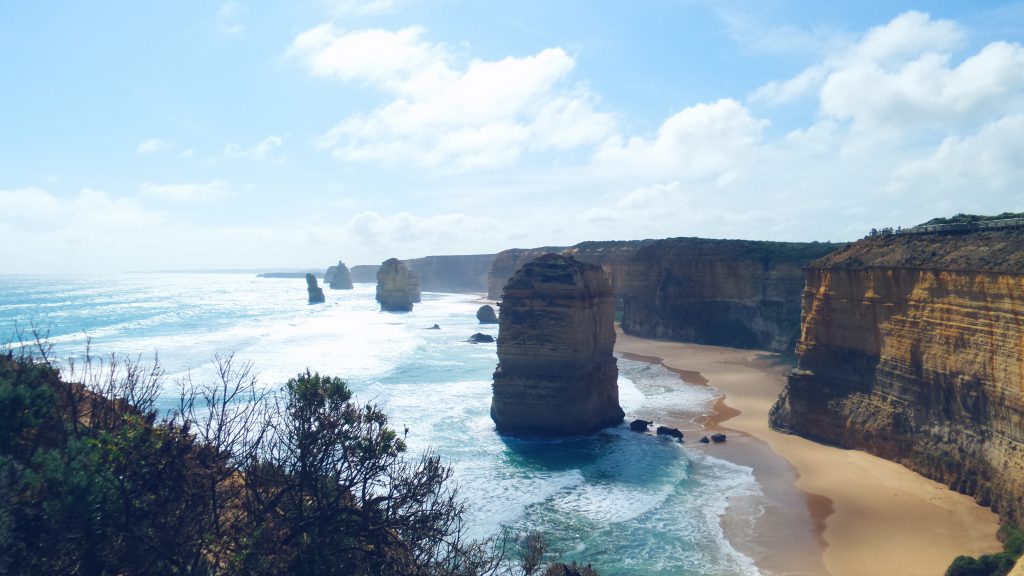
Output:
[[397, 288], [316, 293], [556, 373], [340, 279]]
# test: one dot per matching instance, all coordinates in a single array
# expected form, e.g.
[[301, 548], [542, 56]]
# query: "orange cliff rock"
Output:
[[912, 348]]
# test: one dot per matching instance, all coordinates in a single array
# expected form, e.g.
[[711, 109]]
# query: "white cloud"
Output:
[[229, 16], [153, 145], [187, 192], [449, 116], [259, 151], [710, 141]]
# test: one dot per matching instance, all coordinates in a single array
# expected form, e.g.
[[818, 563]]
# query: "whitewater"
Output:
[[630, 504]]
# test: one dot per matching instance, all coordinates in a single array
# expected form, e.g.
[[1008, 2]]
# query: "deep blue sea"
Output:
[[630, 504]]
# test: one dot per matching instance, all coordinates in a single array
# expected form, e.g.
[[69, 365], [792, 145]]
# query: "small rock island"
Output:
[[556, 374], [397, 287], [316, 293], [338, 278]]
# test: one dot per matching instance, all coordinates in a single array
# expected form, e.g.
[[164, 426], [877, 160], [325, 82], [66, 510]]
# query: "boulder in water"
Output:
[[479, 338], [486, 315]]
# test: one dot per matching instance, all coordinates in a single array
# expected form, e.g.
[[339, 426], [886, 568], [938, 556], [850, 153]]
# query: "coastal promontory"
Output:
[[397, 287], [556, 373], [912, 348]]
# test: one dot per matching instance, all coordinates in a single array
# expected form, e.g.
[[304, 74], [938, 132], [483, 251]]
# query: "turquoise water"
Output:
[[630, 504]]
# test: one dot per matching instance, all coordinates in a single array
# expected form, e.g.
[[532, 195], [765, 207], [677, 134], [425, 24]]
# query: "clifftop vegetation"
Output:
[[302, 480]]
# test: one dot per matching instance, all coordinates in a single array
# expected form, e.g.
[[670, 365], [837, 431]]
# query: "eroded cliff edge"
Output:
[[912, 348], [738, 293]]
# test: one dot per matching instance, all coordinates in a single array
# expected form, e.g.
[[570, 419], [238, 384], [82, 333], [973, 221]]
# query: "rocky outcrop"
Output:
[[556, 373], [397, 288], [452, 274], [364, 273], [316, 293], [737, 293], [912, 348], [338, 278], [485, 315]]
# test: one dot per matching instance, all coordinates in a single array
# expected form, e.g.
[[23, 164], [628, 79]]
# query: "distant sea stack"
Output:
[[316, 294], [556, 374], [739, 293], [912, 348], [397, 288], [485, 315], [337, 277]]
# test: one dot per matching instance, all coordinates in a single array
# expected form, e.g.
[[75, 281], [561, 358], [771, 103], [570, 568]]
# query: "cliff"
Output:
[[338, 277], [397, 288], [912, 348], [613, 256], [452, 274], [739, 293], [364, 273], [556, 373]]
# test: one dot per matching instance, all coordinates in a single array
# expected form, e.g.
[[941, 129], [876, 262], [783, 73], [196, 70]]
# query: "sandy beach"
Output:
[[834, 511]]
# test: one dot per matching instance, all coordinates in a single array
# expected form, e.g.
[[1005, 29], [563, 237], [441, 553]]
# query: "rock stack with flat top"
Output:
[[338, 278], [316, 293], [397, 288], [556, 374]]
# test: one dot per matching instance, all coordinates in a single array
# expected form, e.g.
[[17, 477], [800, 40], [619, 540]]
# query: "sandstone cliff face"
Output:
[[737, 293], [340, 278], [556, 373], [397, 288], [452, 274], [912, 348], [613, 256], [364, 273]]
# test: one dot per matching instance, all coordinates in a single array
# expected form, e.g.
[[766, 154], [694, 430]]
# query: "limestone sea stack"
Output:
[[316, 293], [340, 280], [397, 288], [556, 374]]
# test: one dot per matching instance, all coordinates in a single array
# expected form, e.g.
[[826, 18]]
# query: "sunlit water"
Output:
[[628, 503]]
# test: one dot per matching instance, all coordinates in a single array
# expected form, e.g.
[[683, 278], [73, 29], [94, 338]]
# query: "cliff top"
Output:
[[551, 270], [757, 250], [981, 251]]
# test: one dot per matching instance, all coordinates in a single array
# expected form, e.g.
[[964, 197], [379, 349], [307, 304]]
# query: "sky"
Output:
[[201, 134]]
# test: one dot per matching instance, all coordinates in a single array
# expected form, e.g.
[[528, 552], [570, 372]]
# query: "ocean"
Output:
[[630, 504]]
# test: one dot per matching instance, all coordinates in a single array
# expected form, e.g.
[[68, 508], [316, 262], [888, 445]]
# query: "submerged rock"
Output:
[[704, 440], [397, 288], [340, 279], [718, 437], [434, 327], [316, 293], [556, 373], [479, 338], [485, 315]]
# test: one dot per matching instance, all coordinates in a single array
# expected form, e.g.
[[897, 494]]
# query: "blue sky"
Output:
[[169, 135]]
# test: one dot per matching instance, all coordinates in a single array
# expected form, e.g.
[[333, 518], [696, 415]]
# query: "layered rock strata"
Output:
[[912, 348], [338, 278], [397, 288], [316, 293], [738, 293], [556, 373]]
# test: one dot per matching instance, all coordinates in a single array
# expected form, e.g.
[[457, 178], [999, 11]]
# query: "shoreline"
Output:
[[829, 510]]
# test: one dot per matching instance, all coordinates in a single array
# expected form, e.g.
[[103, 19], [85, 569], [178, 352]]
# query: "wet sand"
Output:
[[826, 510]]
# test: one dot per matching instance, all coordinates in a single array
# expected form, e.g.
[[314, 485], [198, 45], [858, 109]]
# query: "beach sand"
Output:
[[830, 510]]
